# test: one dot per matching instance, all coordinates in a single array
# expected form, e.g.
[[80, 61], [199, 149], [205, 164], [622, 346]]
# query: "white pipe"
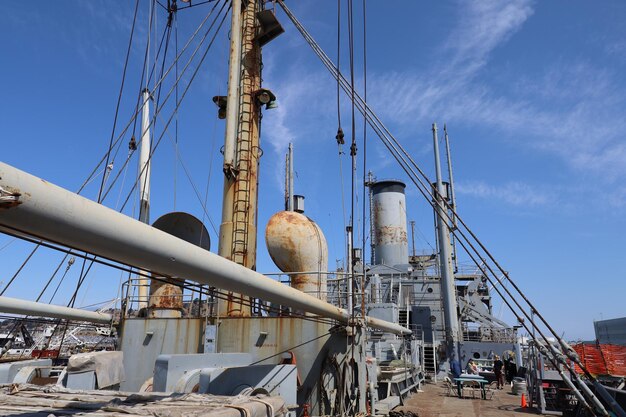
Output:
[[144, 185], [32, 308], [144, 160], [52, 213], [234, 79]]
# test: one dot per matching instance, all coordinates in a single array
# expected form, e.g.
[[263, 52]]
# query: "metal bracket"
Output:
[[9, 199], [230, 171]]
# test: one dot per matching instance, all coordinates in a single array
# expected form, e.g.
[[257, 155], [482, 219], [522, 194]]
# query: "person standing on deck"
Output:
[[511, 370], [507, 366], [497, 370], [455, 367]]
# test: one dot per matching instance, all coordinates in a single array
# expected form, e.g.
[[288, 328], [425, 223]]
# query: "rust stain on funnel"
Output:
[[297, 244]]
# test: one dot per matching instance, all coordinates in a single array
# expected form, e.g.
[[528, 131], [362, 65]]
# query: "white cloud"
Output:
[[298, 97], [572, 111], [513, 193], [483, 26]]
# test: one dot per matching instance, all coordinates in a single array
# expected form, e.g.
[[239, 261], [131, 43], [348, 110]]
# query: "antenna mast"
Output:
[[452, 198], [289, 179]]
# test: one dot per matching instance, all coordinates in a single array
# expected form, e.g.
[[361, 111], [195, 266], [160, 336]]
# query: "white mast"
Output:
[[144, 184], [234, 79]]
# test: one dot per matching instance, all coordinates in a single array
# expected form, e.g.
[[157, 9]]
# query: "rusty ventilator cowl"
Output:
[[166, 295], [297, 244]]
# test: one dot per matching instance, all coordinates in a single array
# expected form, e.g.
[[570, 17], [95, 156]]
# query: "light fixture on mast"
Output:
[[267, 98]]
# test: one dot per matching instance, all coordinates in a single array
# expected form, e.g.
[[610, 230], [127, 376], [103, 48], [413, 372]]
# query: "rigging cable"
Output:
[[176, 98], [7, 244], [166, 34], [353, 148], [139, 108], [144, 74], [119, 99], [194, 53], [196, 192], [353, 153], [165, 129], [6, 287], [133, 118], [338, 66], [193, 76], [364, 276], [121, 135], [340, 135], [108, 166], [69, 265], [407, 163]]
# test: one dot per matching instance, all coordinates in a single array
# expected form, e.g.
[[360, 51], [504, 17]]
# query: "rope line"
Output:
[[119, 99]]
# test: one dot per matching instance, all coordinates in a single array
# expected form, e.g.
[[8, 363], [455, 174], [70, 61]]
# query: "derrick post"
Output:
[[446, 266], [238, 230]]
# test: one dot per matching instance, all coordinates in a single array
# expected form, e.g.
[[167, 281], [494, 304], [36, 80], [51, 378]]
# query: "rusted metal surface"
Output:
[[166, 293], [296, 243], [390, 235], [9, 197], [165, 296], [238, 231], [389, 214]]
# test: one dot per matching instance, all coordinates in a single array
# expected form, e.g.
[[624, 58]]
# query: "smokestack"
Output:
[[389, 214]]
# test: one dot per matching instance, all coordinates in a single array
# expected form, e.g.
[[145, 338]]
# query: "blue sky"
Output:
[[533, 94]]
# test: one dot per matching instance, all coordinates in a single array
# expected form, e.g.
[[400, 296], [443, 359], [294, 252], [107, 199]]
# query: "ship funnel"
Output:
[[166, 295], [389, 216], [297, 244]]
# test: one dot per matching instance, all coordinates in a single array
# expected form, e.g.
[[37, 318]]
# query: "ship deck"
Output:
[[434, 402], [24, 400]]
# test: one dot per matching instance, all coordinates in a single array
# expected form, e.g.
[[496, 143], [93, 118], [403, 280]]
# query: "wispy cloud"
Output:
[[483, 26], [573, 110], [570, 110], [298, 98], [513, 193]]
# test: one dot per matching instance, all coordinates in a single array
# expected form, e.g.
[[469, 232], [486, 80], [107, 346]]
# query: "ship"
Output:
[[204, 333]]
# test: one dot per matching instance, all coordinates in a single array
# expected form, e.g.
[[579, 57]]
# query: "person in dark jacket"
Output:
[[455, 367], [497, 370], [510, 369]]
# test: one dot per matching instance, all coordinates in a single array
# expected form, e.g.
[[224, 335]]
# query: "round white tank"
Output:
[[389, 215], [297, 244]]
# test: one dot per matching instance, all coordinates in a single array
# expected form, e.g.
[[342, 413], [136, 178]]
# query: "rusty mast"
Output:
[[238, 230]]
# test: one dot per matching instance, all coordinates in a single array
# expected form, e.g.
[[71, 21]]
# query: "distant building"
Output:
[[611, 331]]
